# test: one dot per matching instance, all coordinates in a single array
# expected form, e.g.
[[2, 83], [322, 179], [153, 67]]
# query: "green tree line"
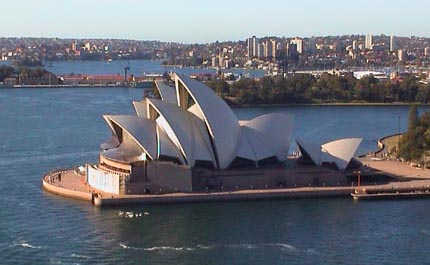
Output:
[[305, 88], [5, 72], [415, 143], [8, 71]]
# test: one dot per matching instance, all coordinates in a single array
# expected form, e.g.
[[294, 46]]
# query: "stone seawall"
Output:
[[225, 196], [381, 145]]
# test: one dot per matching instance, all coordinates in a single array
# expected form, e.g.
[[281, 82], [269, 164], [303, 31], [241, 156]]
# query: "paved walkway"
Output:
[[395, 168], [74, 184]]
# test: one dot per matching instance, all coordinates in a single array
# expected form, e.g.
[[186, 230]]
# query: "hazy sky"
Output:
[[207, 21]]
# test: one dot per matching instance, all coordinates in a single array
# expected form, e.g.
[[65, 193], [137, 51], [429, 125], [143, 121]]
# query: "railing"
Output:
[[106, 169], [381, 144], [55, 175]]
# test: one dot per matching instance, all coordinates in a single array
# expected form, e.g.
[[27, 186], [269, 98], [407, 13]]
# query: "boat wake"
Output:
[[281, 246], [27, 245], [169, 248], [74, 255], [124, 246]]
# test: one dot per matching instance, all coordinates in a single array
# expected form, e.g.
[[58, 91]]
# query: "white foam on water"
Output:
[[124, 246], [205, 246], [287, 246], [425, 232], [256, 245], [168, 248], [74, 255], [209, 247], [158, 248], [27, 245], [312, 251], [248, 246]]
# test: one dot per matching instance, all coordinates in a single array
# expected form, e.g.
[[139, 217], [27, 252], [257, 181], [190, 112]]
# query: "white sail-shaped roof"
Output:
[[166, 147], [195, 109], [311, 149], [220, 120], [193, 124], [184, 129], [142, 130], [140, 108], [342, 151], [275, 131], [167, 93], [252, 147], [113, 141]]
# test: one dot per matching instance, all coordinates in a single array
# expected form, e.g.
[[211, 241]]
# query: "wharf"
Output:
[[397, 194]]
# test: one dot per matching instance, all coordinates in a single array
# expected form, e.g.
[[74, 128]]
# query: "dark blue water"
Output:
[[43, 129], [137, 68]]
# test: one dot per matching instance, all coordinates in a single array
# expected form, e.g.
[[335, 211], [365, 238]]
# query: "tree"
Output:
[[5, 72], [413, 117]]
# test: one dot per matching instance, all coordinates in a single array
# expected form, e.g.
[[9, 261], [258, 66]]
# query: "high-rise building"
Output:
[[74, 46], [252, 47], [401, 54], [355, 45], [261, 49], [291, 48], [274, 48], [270, 48], [299, 44], [393, 43], [311, 46], [426, 51], [215, 61], [368, 44], [264, 49], [87, 46]]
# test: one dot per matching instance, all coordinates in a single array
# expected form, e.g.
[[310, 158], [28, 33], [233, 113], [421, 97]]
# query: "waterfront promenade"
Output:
[[73, 185], [394, 168]]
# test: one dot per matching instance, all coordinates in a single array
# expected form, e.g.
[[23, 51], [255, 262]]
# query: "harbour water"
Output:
[[137, 68], [42, 129]]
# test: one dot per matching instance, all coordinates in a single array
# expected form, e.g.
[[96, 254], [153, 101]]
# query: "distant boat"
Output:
[[109, 60]]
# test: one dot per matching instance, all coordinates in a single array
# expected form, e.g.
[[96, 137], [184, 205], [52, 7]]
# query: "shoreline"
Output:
[[364, 104], [275, 105], [72, 185]]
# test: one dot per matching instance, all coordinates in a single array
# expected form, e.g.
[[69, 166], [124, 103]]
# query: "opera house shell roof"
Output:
[[191, 125], [339, 152]]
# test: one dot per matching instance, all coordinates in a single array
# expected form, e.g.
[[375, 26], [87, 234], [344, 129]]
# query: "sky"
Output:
[[194, 21]]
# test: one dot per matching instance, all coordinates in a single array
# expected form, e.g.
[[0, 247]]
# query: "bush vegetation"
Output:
[[305, 88]]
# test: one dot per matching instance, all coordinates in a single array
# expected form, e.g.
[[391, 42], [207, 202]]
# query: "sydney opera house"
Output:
[[187, 139]]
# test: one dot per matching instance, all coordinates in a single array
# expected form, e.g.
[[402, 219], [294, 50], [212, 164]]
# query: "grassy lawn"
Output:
[[391, 142]]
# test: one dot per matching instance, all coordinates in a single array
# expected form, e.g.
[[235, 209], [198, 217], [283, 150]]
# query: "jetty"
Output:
[[399, 193]]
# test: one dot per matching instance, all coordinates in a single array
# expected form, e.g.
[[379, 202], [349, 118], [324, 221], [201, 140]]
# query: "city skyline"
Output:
[[193, 21]]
